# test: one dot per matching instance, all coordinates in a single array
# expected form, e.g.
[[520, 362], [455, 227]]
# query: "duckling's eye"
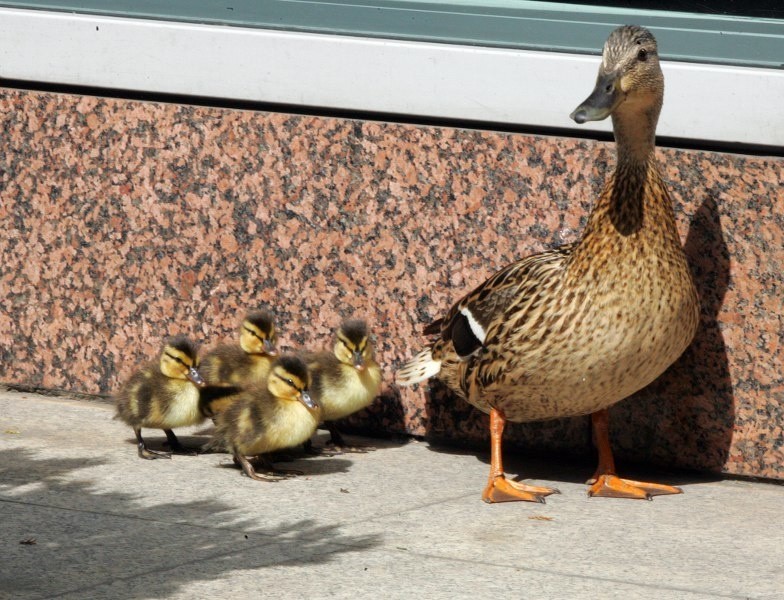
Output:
[[254, 334], [642, 55], [178, 359]]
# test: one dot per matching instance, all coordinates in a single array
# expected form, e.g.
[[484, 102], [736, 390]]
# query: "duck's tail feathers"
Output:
[[420, 368]]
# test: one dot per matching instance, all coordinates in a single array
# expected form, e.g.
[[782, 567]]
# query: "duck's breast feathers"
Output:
[[469, 322], [181, 405]]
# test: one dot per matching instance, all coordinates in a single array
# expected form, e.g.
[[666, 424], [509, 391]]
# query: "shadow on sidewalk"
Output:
[[522, 464], [63, 536]]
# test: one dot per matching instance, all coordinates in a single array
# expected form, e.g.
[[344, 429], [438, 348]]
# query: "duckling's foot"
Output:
[[248, 469], [212, 447], [334, 448], [500, 489], [612, 486], [148, 454], [261, 462], [144, 451]]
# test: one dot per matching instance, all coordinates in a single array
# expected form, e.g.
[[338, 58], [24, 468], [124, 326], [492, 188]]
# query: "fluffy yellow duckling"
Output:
[[347, 379]]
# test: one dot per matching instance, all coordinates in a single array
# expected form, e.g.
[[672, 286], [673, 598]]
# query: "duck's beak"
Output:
[[602, 101], [269, 348], [358, 360], [195, 377], [308, 400]]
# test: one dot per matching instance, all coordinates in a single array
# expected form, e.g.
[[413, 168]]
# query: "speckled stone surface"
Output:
[[126, 221]]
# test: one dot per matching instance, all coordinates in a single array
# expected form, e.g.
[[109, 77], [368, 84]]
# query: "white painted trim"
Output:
[[703, 102]]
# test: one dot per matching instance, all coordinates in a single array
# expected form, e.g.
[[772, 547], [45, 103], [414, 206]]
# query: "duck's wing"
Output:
[[464, 329], [467, 323]]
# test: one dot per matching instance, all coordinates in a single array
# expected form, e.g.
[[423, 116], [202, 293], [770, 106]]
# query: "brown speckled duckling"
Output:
[[250, 361], [243, 365], [574, 330], [263, 419], [163, 395]]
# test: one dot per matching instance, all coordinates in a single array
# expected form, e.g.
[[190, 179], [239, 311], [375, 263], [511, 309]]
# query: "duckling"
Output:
[[347, 379], [163, 395], [263, 419], [574, 330], [249, 362]]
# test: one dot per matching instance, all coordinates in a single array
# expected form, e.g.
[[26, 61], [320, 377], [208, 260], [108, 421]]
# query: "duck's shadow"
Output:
[[570, 467], [687, 416], [96, 539], [309, 467], [308, 464]]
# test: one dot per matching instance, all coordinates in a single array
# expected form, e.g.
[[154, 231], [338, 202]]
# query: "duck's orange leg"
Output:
[[499, 488], [605, 482]]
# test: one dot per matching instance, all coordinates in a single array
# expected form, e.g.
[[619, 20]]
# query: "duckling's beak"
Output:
[[269, 348], [195, 377], [358, 360], [602, 101], [308, 401]]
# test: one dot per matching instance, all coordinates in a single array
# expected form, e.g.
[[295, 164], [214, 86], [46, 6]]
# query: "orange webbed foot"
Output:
[[500, 489], [612, 486]]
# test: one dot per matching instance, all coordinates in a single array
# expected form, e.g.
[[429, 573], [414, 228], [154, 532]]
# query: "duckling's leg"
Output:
[[605, 482], [335, 437], [145, 452], [499, 488], [176, 446], [248, 469]]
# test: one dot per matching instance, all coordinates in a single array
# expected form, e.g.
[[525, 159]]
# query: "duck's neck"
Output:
[[634, 127], [634, 194]]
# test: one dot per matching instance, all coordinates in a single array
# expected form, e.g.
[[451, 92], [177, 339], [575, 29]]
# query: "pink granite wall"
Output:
[[126, 221]]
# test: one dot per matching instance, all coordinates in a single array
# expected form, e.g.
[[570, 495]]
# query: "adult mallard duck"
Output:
[[574, 330]]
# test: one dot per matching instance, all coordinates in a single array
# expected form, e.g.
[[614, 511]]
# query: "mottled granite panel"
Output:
[[125, 221]]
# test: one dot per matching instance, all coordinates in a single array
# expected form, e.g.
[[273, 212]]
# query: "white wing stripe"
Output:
[[476, 328]]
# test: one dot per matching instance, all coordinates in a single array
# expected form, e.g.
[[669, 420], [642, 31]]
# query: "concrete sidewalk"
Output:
[[82, 517]]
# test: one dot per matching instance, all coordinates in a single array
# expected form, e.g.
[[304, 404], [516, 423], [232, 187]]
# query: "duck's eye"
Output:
[[642, 55]]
